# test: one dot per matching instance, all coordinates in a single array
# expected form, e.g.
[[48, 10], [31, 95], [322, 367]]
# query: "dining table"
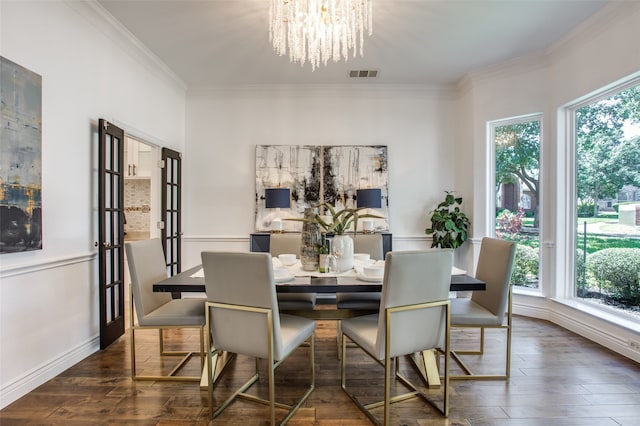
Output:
[[299, 281], [192, 281]]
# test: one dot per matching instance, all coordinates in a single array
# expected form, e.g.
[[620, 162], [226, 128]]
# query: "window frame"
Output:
[[491, 182], [565, 289]]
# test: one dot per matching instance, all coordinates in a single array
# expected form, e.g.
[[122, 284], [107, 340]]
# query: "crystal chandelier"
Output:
[[316, 30]]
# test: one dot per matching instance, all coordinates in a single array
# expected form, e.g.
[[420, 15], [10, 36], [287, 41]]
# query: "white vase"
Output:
[[342, 248]]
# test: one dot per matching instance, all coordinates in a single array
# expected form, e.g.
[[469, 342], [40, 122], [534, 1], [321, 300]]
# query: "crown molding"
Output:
[[538, 60], [610, 15], [104, 22], [604, 19], [322, 90]]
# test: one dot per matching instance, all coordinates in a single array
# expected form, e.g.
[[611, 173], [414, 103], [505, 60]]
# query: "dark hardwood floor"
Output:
[[558, 378]]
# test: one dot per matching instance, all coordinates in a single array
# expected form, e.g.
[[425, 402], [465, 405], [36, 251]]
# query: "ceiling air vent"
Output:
[[363, 73]]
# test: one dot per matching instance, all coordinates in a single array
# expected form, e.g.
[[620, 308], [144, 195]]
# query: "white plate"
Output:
[[284, 279], [363, 277], [457, 271]]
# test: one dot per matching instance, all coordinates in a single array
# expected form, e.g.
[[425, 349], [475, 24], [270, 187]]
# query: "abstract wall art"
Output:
[[20, 158], [316, 174]]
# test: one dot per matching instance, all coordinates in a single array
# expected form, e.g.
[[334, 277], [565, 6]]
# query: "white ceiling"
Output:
[[433, 42]]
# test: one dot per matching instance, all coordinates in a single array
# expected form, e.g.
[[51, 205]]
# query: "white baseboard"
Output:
[[586, 324], [24, 384]]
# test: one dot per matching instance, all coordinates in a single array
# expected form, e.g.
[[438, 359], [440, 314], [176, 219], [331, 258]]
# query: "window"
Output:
[[607, 175], [516, 144]]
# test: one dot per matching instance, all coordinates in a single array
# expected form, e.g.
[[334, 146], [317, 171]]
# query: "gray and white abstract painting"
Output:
[[20, 158], [316, 174]]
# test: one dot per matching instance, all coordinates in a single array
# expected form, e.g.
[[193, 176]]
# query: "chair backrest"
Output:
[[242, 279], [285, 244], [368, 243], [147, 266], [414, 277], [495, 264]]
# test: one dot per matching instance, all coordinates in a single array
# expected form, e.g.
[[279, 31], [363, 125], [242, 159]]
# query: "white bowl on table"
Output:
[[287, 259], [362, 257], [457, 271], [373, 271]]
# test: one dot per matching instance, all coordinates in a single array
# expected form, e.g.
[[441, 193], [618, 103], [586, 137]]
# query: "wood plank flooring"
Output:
[[558, 378]]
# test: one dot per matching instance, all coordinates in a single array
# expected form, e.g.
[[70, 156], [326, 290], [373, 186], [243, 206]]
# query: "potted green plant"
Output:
[[449, 224]]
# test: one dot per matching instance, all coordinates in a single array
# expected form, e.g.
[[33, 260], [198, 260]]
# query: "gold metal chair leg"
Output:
[[388, 365], [469, 374], [271, 402], [386, 403], [171, 376]]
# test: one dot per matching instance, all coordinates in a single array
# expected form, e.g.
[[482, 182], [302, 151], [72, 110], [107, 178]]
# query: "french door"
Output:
[[171, 206], [111, 231]]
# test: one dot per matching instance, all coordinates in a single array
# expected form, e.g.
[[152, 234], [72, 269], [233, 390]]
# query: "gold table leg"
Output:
[[425, 362], [220, 360]]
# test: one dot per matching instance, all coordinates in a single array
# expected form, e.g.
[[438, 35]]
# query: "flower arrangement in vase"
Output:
[[341, 221]]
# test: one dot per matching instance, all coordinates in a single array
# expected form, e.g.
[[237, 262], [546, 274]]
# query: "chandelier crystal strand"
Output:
[[319, 30]]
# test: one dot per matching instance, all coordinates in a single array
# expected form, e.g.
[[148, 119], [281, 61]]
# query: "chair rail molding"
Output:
[[58, 262], [215, 238]]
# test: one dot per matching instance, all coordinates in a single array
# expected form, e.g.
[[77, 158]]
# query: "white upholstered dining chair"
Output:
[[370, 244], [413, 317], [487, 309], [284, 243], [243, 317], [290, 244], [159, 311]]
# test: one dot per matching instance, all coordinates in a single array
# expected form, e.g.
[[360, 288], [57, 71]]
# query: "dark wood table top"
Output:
[[184, 283]]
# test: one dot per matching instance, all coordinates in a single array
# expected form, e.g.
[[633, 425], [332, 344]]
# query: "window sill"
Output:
[[602, 312], [527, 291]]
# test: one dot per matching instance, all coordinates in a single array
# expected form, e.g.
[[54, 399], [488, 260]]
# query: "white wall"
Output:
[[418, 125], [601, 52], [49, 298]]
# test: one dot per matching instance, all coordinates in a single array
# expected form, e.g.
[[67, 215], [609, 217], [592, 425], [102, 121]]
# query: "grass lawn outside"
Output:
[[596, 243], [607, 233], [602, 232]]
